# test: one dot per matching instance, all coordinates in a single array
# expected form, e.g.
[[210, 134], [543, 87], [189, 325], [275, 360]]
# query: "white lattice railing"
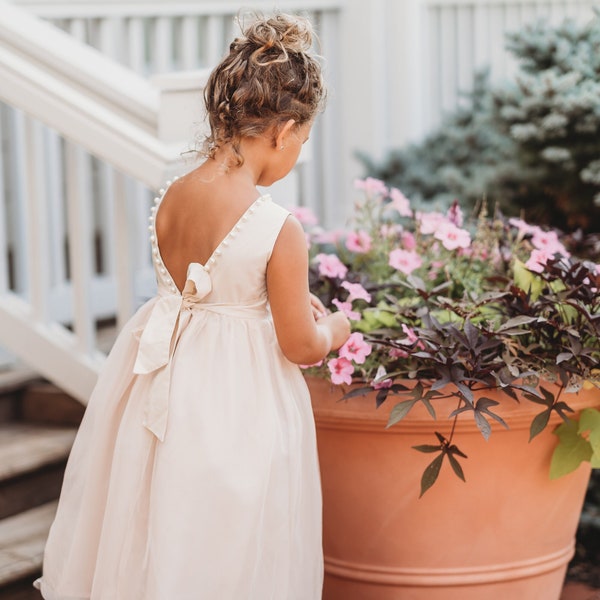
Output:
[[79, 132]]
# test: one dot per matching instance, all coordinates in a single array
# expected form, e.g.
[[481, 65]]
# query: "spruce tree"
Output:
[[530, 145]]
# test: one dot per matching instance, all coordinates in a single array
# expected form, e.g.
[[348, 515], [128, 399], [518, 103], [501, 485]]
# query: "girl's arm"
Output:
[[302, 339]]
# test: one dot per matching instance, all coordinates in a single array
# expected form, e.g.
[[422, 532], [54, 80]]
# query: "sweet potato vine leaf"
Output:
[[539, 423], [571, 451], [432, 470], [400, 411], [589, 424], [431, 473]]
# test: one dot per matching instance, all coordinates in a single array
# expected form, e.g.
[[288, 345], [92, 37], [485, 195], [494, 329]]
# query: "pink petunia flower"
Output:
[[331, 266], [429, 222], [372, 186], [400, 203], [305, 215], [548, 241], [406, 261], [355, 348], [411, 336], [341, 370], [346, 308], [381, 381], [452, 237], [359, 242], [410, 339], [538, 259], [357, 291]]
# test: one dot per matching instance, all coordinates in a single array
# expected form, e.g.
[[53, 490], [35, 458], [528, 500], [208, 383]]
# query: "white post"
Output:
[[4, 283], [164, 45], [189, 46], [17, 233], [410, 55], [80, 248], [123, 250], [135, 56], [38, 259], [214, 40], [56, 213]]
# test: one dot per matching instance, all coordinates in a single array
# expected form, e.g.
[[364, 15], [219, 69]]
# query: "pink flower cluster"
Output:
[[331, 266], [405, 261], [359, 242], [356, 292], [546, 244], [445, 228], [355, 350]]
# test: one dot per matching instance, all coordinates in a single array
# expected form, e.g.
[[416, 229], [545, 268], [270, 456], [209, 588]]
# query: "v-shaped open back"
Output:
[[162, 272]]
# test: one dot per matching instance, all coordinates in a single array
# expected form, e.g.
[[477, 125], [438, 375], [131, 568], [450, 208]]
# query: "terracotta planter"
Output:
[[506, 534]]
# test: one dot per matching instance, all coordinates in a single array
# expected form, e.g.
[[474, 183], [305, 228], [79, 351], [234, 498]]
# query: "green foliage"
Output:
[[579, 441], [532, 143]]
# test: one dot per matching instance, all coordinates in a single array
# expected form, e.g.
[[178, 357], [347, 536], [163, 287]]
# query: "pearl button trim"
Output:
[[162, 271]]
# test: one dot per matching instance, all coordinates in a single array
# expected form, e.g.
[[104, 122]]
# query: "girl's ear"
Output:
[[287, 127]]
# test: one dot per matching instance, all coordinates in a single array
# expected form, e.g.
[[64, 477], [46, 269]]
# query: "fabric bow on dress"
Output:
[[159, 339]]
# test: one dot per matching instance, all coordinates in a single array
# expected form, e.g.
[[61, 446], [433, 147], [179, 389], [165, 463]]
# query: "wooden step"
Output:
[[32, 461], [12, 383], [22, 540], [43, 402]]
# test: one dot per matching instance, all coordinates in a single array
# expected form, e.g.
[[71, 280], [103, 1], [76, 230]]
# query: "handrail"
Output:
[[84, 69], [71, 87]]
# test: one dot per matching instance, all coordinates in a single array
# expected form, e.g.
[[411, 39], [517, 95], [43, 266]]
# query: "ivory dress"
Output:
[[194, 475]]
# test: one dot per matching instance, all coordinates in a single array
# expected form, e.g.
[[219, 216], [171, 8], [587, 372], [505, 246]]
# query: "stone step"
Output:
[[22, 540], [32, 461]]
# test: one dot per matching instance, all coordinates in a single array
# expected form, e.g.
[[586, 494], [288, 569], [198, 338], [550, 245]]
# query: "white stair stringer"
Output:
[[50, 349]]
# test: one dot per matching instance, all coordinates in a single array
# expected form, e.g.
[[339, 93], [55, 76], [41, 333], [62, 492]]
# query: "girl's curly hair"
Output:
[[269, 76]]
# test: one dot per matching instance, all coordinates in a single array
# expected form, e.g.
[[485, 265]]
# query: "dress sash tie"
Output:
[[169, 317]]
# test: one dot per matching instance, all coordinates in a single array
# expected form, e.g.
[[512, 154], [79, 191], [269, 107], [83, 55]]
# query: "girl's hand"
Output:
[[339, 327], [317, 307]]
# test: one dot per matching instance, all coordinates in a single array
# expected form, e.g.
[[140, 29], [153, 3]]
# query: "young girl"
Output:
[[194, 475]]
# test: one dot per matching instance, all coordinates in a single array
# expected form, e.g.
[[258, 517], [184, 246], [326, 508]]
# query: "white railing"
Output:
[[78, 129]]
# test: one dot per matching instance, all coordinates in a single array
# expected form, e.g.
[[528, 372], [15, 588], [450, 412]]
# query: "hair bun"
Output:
[[274, 37]]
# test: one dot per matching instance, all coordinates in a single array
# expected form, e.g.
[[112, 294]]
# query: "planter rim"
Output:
[[360, 413]]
